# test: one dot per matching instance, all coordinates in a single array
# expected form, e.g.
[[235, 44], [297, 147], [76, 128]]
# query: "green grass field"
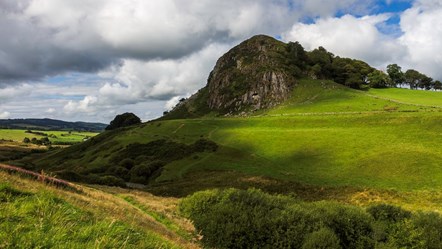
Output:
[[58, 136], [325, 135]]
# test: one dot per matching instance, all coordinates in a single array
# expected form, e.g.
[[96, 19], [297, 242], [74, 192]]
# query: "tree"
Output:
[[412, 78], [437, 85], [396, 74], [378, 79], [26, 140], [426, 82], [123, 120]]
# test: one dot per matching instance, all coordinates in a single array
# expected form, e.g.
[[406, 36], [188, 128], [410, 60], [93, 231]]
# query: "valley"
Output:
[[298, 144]]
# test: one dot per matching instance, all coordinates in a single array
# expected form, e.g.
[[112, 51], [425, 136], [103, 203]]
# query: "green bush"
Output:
[[118, 171], [324, 238], [142, 173], [112, 181], [253, 219], [388, 213], [352, 225], [430, 224], [204, 145], [127, 163]]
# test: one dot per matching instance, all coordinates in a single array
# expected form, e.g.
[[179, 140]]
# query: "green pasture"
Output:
[[324, 135], [416, 97], [317, 96], [54, 136]]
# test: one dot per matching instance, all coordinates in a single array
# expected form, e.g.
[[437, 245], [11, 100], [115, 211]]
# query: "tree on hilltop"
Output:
[[123, 120], [396, 74]]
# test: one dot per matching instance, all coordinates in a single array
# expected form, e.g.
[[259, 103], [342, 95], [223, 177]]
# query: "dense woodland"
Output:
[[321, 64]]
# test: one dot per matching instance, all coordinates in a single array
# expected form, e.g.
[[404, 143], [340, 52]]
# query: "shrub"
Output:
[[127, 163], [204, 145], [351, 224], [324, 238], [430, 224], [253, 219], [117, 171], [388, 213], [141, 173], [111, 181]]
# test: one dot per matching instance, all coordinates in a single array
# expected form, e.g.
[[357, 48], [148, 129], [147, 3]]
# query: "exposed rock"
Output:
[[250, 76]]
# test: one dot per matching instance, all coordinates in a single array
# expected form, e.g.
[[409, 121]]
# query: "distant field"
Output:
[[417, 97], [57, 136]]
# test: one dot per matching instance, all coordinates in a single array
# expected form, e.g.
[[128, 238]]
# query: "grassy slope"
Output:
[[35, 215], [324, 135]]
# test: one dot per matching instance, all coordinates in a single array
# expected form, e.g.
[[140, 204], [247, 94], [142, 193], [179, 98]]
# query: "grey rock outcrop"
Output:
[[250, 76]]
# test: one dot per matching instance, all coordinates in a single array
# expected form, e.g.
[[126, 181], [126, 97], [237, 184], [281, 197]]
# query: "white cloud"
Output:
[[422, 27], [4, 115], [143, 55], [11, 92], [86, 105], [172, 103], [349, 36], [138, 81], [50, 110]]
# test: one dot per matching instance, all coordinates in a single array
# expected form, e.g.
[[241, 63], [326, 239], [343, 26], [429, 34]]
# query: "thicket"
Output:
[[253, 219], [140, 162], [137, 163]]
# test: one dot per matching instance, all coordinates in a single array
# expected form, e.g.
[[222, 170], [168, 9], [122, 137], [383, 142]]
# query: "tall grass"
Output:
[[42, 220]]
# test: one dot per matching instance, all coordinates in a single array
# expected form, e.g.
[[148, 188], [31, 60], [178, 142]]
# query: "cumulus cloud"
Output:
[[11, 92], [361, 38], [4, 115], [94, 59], [350, 36], [422, 27], [140, 81], [89, 36]]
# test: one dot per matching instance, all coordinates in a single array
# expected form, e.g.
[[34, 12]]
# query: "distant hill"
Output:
[[50, 124]]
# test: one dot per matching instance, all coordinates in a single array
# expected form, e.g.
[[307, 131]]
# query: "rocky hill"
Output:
[[253, 75], [261, 72]]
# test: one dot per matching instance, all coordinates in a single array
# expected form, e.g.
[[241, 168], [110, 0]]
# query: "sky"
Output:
[[89, 60]]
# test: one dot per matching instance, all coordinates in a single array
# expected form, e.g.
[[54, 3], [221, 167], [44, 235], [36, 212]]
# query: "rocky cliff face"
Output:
[[250, 76]]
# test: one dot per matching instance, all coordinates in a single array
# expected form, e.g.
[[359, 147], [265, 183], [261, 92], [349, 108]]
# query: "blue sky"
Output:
[[90, 60]]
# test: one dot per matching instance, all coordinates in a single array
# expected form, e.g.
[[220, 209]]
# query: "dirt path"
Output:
[[177, 129]]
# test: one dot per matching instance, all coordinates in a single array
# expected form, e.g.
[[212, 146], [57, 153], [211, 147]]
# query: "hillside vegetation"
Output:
[[35, 215], [324, 135]]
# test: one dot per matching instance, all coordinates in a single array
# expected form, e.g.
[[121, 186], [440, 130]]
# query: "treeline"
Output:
[[321, 64], [253, 219]]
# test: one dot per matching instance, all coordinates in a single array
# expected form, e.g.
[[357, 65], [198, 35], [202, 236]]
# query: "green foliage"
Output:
[[323, 238], [252, 219], [202, 145], [388, 213], [123, 120], [378, 79], [396, 74], [142, 172]]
